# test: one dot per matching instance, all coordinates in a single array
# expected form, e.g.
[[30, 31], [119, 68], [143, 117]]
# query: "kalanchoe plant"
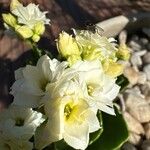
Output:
[[64, 105]]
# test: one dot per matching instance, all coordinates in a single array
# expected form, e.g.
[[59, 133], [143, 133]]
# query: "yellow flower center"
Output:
[[67, 111]]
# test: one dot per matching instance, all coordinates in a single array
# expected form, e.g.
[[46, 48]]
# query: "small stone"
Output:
[[145, 89], [131, 74], [134, 138], [141, 78], [136, 60], [147, 130], [133, 124], [146, 145], [128, 146], [138, 107], [147, 71], [135, 46], [141, 53], [144, 41], [146, 58]]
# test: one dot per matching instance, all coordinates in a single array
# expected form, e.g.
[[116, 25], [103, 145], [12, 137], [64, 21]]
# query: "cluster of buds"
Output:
[[27, 22], [89, 46]]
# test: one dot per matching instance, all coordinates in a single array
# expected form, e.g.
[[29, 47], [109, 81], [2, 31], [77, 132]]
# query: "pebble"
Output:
[[142, 78], [134, 138], [146, 145], [145, 89], [134, 45], [146, 69], [128, 146], [138, 107], [144, 41], [133, 124], [131, 74], [136, 60], [146, 58], [147, 130]]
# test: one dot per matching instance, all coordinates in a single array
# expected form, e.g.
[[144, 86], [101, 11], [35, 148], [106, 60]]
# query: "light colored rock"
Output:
[[136, 60], [134, 45], [145, 89], [147, 130], [144, 41], [146, 145], [134, 138], [133, 124], [146, 58], [141, 53], [147, 71], [131, 74], [141, 78], [128, 146], [138, 107]]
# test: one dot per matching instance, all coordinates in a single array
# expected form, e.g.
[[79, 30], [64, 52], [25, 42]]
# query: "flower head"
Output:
[[69, 118], [30, 15], [32, 81], [95, 46], [99, 88], [19, 123]]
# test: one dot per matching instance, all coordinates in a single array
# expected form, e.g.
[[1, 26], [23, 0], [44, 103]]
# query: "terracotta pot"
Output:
[[133, 22]]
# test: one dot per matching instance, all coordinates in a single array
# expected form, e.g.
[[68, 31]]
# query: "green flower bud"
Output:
[[14, 4], [35, 38], [9, 19], [67, 45], [24, 31], [39, 28]]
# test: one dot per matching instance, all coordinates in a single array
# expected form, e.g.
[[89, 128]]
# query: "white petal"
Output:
[[26, 100], [44, 136], [92, 120], [77, 135]]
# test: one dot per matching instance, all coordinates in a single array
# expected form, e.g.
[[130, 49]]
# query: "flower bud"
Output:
[[123, 52], [113, 69], [39, 28], [67, 45], [14, 4], [9, 19], [24, 31], [35, 38], [72, 59]]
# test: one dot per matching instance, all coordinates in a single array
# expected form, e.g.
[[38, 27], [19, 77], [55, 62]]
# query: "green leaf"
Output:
[[122, 81], [62, 145], [95, 135], [114, 135]]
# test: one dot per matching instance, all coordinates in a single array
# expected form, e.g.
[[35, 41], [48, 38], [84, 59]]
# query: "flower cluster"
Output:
[[26, 21], [59, 99]]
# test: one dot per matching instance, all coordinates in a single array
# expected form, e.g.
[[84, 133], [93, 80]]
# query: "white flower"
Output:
[[30, 15], [94, 46], [69, 118], [19, 123], [32, 81], [99, 88], [7, 144]]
